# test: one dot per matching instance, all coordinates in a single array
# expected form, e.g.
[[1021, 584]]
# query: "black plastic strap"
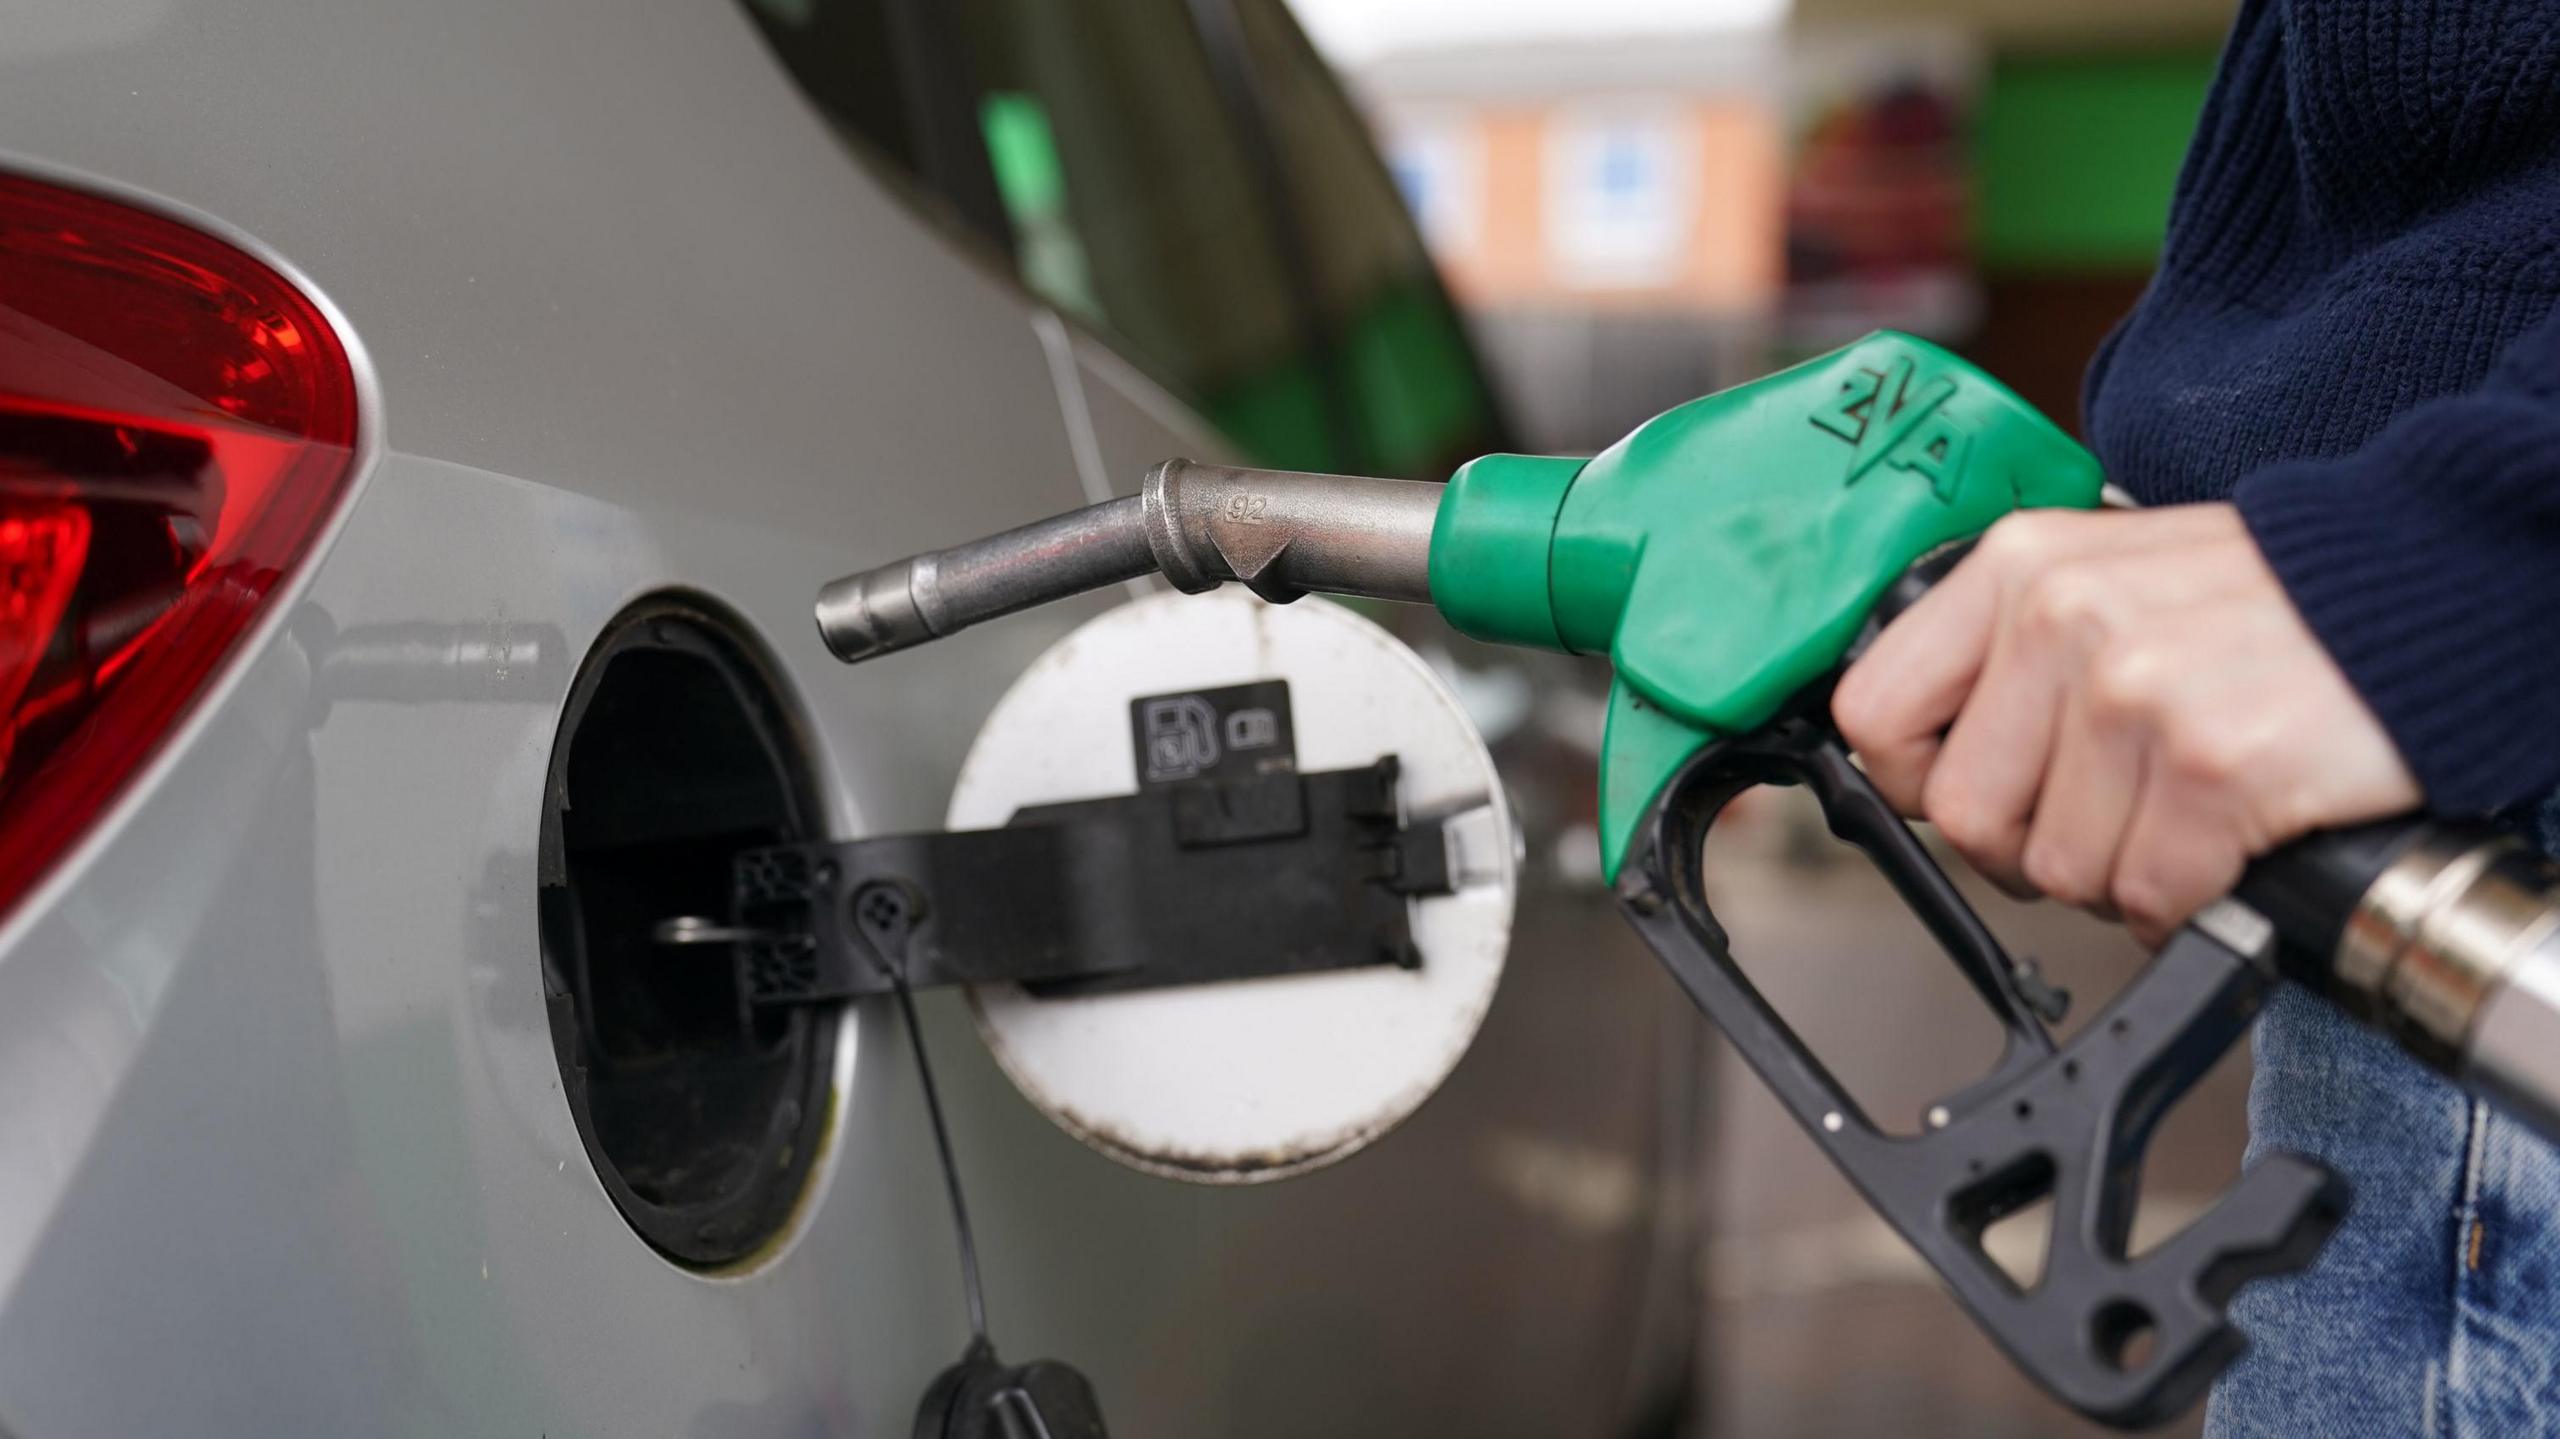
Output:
[[1186, 883]]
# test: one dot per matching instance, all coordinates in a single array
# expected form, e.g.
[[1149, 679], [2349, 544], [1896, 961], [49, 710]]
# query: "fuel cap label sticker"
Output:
[[1234, 732]]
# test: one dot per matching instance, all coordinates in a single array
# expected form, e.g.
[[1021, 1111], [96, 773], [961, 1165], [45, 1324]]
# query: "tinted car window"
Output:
[[1140, 182], [841, 53], [1419, 399], [1133, 205]]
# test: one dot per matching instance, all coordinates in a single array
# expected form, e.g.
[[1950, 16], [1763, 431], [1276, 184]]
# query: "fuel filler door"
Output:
[[1229, 887]]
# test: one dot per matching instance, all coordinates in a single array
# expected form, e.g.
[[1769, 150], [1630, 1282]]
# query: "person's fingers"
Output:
[[2077, 673], [1982, 787], [1959, 709], [2180, 854], [2209, 731], [2120, 711], [1895, 704], [1986, 784], [2124, 674], [2088, 795]]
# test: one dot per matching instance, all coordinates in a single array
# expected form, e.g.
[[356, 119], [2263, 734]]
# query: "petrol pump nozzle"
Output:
[[1280, 532], [1726, 557]]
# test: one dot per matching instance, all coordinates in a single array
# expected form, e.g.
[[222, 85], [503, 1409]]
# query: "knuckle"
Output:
[[2057, 873], [2273, 797], [1860, 711], [2282, 813], [2126, 679], [2274, 804], [2064, 601], [2204, 754], [2141, 899], [1958, 812], [2016, 540]]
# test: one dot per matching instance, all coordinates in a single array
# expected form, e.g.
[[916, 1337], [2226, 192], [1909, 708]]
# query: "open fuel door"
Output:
[[1192, 700], [1229, 885]]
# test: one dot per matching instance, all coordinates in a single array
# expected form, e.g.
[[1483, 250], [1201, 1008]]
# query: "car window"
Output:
[[1103, 150], [1133, 206], [842, 54], [1419, 397]]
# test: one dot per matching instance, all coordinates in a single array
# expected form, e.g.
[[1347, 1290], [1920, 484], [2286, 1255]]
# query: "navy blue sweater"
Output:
[[2352, 334]]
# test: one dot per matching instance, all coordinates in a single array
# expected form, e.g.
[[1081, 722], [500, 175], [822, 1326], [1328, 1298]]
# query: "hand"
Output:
[[2118, 710]]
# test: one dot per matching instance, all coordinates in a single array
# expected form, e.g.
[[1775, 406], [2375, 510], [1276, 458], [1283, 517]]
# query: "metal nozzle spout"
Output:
[[1280, 532], [934, 594]]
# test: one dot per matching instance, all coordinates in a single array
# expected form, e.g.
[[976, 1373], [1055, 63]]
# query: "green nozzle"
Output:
[[1724, 554], [1490, 544]]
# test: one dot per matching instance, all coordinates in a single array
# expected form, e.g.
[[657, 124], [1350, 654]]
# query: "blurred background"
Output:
[[1640, 200], [1624, 204]]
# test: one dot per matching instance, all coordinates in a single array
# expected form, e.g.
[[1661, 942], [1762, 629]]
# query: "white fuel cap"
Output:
[[1252, 1079]]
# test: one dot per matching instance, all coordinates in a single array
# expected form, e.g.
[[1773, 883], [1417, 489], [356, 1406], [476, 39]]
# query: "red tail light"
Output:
[[177, 423]]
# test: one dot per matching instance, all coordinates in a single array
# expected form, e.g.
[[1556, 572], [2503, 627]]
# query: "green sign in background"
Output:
[[2077, 157]]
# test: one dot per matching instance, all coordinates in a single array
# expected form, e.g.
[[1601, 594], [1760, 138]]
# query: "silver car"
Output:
[[412, 415]]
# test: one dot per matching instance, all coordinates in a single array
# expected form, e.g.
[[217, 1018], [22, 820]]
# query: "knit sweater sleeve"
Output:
[[2428, 563]]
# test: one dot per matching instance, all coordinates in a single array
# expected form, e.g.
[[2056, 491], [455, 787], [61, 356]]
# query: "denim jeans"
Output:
[[2434, 1313]]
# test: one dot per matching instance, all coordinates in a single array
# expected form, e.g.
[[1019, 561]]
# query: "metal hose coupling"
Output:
[[1280, 532], [2455, 949]]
